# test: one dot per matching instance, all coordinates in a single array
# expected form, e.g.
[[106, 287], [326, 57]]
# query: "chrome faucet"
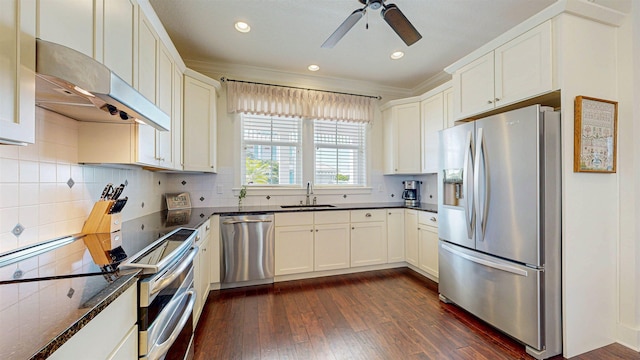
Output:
[[309, 192]]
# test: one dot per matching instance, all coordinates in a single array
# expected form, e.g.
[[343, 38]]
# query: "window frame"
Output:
[[307, 166]]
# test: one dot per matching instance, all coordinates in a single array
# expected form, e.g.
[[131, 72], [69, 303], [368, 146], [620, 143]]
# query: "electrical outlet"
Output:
[[219, 188], [380, 188]]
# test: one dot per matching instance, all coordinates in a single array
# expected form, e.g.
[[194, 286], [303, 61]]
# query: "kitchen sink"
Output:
[[300, 206]]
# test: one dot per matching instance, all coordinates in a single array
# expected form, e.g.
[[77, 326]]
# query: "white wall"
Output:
[[629, 157], [218, 189], [34, 191], [590, 217]]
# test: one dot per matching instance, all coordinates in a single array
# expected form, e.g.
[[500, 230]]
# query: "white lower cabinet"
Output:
[[214, 249], [411, 236], [428, 243], [395, 235], [112, 334], [202, 270], [331, 242], [369, 242], [293, 249]]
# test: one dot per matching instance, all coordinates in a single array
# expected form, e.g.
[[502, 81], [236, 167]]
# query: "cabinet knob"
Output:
[[207, 227], [311, 230], [389, 213], [433, 219], [353, 228], [489, 102], [396, 170], [367, 215], [497, 99]]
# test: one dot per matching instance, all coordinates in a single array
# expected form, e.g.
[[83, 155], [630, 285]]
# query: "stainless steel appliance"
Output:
[[247, 250], [411, 192], [499, 213], [166, 296], [80, 87]]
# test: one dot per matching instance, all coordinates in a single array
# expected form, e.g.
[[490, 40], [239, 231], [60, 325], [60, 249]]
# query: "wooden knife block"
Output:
[[101, 222]]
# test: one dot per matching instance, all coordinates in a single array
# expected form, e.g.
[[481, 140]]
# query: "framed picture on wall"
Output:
[[595, 135]]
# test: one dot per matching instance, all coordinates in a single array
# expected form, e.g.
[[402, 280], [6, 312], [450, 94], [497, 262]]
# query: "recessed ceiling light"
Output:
[[242, 26], [313, 67], [397, 55]]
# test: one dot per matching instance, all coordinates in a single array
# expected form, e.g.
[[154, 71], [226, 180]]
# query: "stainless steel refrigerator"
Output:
[[500, 217]]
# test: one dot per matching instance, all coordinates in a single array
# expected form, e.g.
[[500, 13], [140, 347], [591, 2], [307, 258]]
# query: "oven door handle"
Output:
[[174, 272], [160, 349]]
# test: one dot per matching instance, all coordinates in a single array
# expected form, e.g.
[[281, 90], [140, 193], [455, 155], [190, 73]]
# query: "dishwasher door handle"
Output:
[[228, 222]]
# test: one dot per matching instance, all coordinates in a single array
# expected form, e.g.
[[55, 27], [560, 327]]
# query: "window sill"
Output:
[[317, 190]]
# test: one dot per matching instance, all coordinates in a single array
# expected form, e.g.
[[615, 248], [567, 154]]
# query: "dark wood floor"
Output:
[[387, 314]]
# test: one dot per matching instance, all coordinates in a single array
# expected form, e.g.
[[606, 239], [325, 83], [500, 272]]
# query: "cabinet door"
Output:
[[432, 112], [523, 66], [17, 71], [214, 249], [294, 249], [368, 243], [331, 247], [199, 126], [119, 20], [146, 143], [449, 120], [406, 125], [428, 245], [68, 22], [411, 236], [164, 139], [176, 118], [205, 272], [147, 59], [395, 235], [473, 88]]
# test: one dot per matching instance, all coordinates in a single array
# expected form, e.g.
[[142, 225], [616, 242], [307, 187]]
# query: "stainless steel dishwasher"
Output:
[[247, 250]]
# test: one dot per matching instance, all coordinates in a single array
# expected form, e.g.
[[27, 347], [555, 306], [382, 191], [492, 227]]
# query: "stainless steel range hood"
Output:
[[76, 85]]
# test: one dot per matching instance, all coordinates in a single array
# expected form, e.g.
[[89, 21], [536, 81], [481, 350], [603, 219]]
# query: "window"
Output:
[[275, 149], [340, 152], [271, 150]]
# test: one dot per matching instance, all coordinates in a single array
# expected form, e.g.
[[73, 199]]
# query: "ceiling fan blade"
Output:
[[399, 23], [344, 28]]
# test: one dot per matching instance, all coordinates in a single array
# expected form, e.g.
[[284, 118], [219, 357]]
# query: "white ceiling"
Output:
[[286, 35]]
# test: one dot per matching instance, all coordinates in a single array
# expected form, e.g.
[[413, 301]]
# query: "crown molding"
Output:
[[259, 74], [431, 83]]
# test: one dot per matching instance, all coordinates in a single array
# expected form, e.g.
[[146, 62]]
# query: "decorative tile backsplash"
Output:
[[47, 194]]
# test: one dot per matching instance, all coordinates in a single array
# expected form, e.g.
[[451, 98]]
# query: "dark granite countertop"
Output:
[[38, 317]]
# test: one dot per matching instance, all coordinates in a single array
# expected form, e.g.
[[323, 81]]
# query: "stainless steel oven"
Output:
[[166, 296]]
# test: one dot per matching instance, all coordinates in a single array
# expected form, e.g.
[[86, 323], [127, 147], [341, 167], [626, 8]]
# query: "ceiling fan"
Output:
[[390, 13]]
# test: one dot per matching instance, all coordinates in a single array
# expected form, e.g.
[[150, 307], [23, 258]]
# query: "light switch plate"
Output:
[[219, 188]]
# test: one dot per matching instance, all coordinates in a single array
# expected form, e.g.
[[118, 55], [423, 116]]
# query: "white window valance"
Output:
[[271, 100]]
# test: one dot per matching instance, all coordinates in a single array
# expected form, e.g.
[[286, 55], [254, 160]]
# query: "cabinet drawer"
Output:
[[331, 217], [428, 218], [203, 231], [294, 218], [368, 215]]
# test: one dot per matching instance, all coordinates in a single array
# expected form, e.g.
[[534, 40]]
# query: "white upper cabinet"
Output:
[[433, 120], [148, 44], [17, 71], [118, 44], [176, 118], [473, 87], [199, 123], [515, 71], [447, 97], [523, 66], [68, 22], [164, 91], [402, 139]]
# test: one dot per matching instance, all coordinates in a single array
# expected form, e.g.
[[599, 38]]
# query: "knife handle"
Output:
[[106, 191]]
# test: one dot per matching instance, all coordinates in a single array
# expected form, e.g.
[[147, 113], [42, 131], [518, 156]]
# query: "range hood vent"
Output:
[[76, 85]]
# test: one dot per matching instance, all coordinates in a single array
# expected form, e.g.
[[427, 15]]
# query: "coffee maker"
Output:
[[411, 193]]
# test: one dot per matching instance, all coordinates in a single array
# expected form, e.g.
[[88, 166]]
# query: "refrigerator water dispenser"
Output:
[[452, 189]]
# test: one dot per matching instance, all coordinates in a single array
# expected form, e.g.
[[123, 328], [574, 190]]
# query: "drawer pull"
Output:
[[367, 215], [207, 227], [433, 219]]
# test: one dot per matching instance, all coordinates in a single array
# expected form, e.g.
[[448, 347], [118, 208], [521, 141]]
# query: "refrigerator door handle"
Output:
[[491, 264], [469, 209], [482, 215]]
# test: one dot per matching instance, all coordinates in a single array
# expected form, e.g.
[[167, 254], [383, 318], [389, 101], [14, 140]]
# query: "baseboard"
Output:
[[317, 274], [423, 273], [628, 337]]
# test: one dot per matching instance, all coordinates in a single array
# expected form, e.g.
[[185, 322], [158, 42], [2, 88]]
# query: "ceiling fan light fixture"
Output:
[[242, 26], [313, 67], [396, 55]]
